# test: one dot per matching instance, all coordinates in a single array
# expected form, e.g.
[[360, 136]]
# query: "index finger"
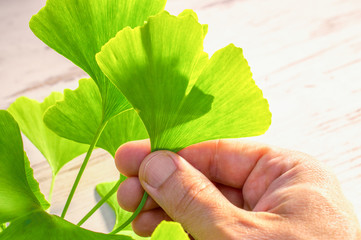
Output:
[[228, 162]]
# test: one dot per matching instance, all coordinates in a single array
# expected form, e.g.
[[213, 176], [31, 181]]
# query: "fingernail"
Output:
[[158, 169]]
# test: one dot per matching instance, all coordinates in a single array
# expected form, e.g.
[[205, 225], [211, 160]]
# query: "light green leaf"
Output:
[[29, 115], [33, 184], [39, 225], [132, 234], [120, 214], [79, 115], [157, 68], [16, 196], [169, 230], [2, 227], [77, 29], [193, 14], [124, 127]]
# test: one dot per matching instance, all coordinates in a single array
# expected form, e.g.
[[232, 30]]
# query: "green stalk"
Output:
[[139, 208], [82, 168], [50, 196], [137, 211], [101, 202]]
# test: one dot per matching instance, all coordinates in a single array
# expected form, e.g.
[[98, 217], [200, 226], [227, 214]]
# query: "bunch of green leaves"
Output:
[[152, 79]]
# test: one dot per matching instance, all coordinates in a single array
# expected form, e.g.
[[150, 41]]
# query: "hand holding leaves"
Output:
[[178, 94]]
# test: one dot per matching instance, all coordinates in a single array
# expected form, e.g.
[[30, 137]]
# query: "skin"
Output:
[[231, 189]]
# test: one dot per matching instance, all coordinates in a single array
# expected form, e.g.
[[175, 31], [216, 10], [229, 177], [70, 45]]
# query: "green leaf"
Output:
[[120, 214], [77, 29], [2, 227], [34, 185], [188, 12], [169, 230], [41, 225], [181, 96], [79, 115], [132, 234], [124, 127], [29, 115], [16, 196]]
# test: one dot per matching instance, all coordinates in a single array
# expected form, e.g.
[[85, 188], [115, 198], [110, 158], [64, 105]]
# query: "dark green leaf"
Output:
[[39, 225], [16, 196], [34, 185]]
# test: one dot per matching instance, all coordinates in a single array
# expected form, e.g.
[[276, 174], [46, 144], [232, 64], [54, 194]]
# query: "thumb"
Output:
[[184, 193]]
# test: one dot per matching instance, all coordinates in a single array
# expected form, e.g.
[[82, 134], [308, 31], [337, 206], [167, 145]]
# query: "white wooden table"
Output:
[[305, 55]]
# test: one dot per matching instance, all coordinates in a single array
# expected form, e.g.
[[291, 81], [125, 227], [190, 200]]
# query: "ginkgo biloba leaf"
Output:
[[132, 234], [169, 230], [16, 196], [124, 127], [33, 184], [57, 150], [155, 65], [77, 29], [79, 115], [40, 225], [188, 12]]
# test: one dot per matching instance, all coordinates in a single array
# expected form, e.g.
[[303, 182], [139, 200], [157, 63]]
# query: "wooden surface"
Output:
[[305, 56]]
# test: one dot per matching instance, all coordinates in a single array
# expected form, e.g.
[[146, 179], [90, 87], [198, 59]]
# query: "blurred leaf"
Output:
[[79, 115], [2, 227], [16, 198], [181, 96], [29, 115], [34, 185], [40, 225], [169, 230], [77, 29]]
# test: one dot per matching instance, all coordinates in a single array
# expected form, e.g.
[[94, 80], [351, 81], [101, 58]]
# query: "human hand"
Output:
[[230, 189]]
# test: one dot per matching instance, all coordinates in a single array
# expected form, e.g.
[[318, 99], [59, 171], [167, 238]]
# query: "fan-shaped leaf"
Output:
[[77, 29], [79, 115], [29, 115], [180, 100]]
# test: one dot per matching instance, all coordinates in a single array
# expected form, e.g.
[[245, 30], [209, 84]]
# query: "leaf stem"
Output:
[[82, 168], [131, 218], [101, 202], [50, 196]]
